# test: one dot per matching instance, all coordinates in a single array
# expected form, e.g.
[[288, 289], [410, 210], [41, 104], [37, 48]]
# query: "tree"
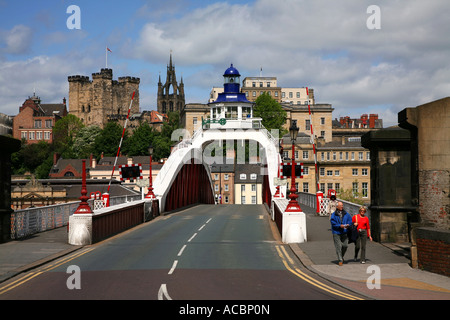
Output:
[[84, 142], [64, 133], [272, 114], [143, 136], [108, 140]]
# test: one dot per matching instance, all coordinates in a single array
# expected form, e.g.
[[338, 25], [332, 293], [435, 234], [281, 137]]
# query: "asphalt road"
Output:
[[201, 253]]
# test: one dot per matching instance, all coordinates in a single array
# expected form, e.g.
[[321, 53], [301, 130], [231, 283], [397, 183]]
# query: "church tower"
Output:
[[171, 94]]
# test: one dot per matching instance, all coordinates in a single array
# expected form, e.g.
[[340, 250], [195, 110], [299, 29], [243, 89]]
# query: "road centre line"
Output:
[[285, 259], [181, 251], [173, 267], [202, 227], [195, 234]]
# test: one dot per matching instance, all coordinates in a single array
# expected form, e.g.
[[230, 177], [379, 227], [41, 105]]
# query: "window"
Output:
[[216, 187], [253, 199], [322, 156], [254, 93], [24, 135], [322, 187], [354, 172], [253, 84], [194, 121], [242, 187], [337, 186], [47, 135], [336, 173], [298, 94], [360, 156], [329, 186], [285, 154], [340, 155], [48, 123], [242, 176], [346, 156], [38, 124], [322, 133], [307, 125], [355, 188], [260, 84], [322, 121], [353, 156], [226, 176], [368, 156], [216, 176], [253, 187], [305, 154], [290, 95], [31, 135], [253, 176], [364, 172], [328, 155], [329, 173], [242, 199], [334, 156], [305, 187], [38, 135], [226, 187], [276, 93], [296, 154], [322, 171], [365, 189], [268, 84]]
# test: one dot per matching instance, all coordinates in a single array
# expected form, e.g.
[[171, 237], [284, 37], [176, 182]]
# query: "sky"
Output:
[[328, 45]]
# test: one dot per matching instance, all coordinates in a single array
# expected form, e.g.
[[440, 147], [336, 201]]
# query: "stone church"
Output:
[[102, 99], [171, 94]]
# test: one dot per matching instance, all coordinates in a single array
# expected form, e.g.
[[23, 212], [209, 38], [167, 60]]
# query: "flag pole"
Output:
[[106, 53]]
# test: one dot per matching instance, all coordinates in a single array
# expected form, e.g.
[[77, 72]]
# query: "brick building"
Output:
[[35, 120]]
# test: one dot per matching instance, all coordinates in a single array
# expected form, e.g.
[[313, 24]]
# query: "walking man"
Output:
[[340, 221]]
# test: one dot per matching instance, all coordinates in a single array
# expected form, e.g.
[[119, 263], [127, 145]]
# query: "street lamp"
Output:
[[293, 205], [150, 194]]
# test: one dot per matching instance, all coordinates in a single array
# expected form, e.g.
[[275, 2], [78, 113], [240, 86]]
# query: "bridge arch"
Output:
[[186, 173]]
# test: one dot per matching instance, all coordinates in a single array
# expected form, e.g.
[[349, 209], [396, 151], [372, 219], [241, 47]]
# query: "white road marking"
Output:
[[181, 251], [173, 267], [192, 237], [162, 293]]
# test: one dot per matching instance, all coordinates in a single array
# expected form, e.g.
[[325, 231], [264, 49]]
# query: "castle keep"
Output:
[[103, 99]]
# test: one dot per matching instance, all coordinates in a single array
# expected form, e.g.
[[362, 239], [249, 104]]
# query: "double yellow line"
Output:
[[288, 260], [34, 274]]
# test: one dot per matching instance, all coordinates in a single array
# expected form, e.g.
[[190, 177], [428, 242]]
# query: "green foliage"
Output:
[[272, 114], [143, 136], [84, 142], [32, 156], [64, 133], [108, 140]]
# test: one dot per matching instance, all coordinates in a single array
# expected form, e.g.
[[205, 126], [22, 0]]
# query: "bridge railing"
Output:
[[310, 200], [33, 220]]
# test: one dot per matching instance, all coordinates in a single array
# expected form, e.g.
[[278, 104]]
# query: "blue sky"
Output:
[[322, 44]]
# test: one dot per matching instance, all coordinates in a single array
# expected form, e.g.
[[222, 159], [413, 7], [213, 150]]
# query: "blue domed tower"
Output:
[[231, 87], [231, 109]]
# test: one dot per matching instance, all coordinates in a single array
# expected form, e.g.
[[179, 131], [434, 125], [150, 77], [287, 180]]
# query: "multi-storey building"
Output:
[[222, 176], [103, 99], [35, 121], [248, 184]]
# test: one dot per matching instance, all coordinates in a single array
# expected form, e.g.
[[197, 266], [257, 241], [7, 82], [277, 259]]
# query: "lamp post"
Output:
[[293, 205], [83, 206], [150, 194]]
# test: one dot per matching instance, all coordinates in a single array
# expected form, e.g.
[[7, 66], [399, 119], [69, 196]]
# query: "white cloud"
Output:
[[321, 44], [17, 40]]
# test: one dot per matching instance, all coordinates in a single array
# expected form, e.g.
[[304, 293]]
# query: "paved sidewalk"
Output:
[[398, 279], [18, 256]]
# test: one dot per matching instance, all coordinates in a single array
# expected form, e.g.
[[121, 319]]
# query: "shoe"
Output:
[[363, 261], [341, 263], [356, 258]]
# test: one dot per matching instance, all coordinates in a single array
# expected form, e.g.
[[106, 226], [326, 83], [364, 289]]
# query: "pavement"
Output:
[[387, 274]]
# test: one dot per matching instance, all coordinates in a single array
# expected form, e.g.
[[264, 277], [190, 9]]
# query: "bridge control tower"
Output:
[[231, 109]]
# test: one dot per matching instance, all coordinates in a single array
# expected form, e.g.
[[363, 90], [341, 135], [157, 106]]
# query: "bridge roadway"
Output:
[[206, 252]]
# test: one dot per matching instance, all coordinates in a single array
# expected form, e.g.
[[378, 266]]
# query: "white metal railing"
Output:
[[33, 220]]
